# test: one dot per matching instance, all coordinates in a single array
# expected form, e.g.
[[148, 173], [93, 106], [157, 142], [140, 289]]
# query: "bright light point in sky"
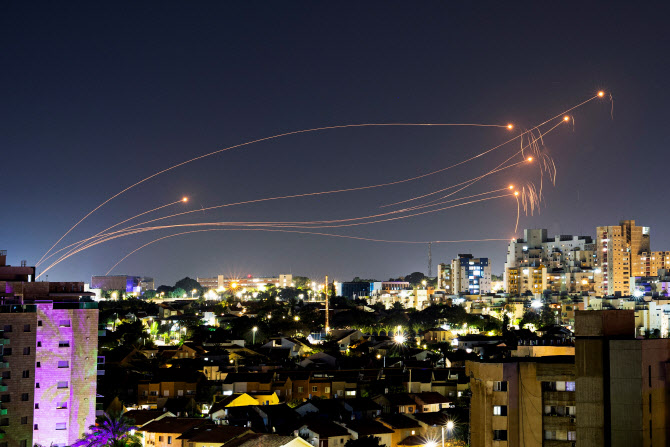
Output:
[[566, 118], [450, 425], [601, 94], [516, 193], [400, 339], [185, 199], [511, 186], [530, 158], [510, 126]]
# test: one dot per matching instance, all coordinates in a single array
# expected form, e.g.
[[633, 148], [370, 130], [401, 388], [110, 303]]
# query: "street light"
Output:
[[450, 427], [253, 331], [192, 292]]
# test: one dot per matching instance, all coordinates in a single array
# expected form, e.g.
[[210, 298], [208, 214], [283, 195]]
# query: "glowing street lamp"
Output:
[[193, 291], [253, 331], [450, 427]]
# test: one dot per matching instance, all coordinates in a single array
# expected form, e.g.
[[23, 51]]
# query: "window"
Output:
[[160, 439], [300, 389], [61, 405], [326, 389], [166, 393], [39, 344], [7, 328], [6, 375], [64, 323], [5, 398], [61, 426], [35, 427], [153, 393], [572, 436], [500, 386], [26, 350], [25, 397], [649, 375], [500, 410], [500, 435], [4, 422], [62, 384], [410, 409], [169, 440], [350, 393], [426, 409], [315, 389], [39, 323], [63, 364], [37, 384], [37, 406], [64, 344], [7, 351], [38, 365], [24, 420], [180, 393], [26, 328], [23, 443], [569, 386], [25, 374]]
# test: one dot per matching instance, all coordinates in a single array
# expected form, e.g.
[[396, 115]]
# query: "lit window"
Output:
[[61, 426]]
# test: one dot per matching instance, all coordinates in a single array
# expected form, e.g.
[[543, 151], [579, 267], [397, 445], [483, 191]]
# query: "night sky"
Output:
[[98, 95]]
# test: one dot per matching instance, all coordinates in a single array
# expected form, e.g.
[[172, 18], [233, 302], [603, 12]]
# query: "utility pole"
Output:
[[327, 321], [430, 259]]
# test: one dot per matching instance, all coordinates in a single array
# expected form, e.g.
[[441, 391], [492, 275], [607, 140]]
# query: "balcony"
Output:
[[557, 422], [3, 388], [4, 365], [558, 397], [4, 341], [101, 372]]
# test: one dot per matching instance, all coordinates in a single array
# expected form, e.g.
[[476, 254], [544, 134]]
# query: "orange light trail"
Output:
[[295, 132], [270, 224], [183, 200]]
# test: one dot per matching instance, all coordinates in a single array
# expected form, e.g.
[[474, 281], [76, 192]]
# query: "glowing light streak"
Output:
[[183, 200], [272, 225], [247, 143]]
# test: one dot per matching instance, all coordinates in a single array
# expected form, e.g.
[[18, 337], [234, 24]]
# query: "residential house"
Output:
[[396, 403], [430, 402], [360, 429], [167, 383], [325, 434], [164, 432], [212, 435], [403, 427]]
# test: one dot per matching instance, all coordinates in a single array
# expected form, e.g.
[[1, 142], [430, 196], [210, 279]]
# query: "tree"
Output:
[[415, 278], [188, 284], [365, 441], [111, 431]]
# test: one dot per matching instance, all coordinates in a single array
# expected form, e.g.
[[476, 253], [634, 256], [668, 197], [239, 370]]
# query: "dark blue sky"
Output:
[[98, 96]]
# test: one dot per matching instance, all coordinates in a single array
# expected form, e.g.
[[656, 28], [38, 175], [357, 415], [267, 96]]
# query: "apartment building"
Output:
[[470, 275], [49, 372], [621, 383], [570, 263], [620, 249], [523, 401]]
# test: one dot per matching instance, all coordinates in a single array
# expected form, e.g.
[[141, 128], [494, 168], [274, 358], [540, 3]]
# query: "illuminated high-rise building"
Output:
[[620, 250], [470, 275], [569, 262], [49, 363]]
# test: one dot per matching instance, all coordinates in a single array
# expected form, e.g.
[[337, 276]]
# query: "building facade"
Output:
[[620, 250], [470, 275]]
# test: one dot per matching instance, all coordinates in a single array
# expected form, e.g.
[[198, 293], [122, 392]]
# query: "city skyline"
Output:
[[181, 83]]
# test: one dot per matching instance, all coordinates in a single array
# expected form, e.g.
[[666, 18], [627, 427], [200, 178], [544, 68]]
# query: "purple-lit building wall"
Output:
[[67, 348]]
